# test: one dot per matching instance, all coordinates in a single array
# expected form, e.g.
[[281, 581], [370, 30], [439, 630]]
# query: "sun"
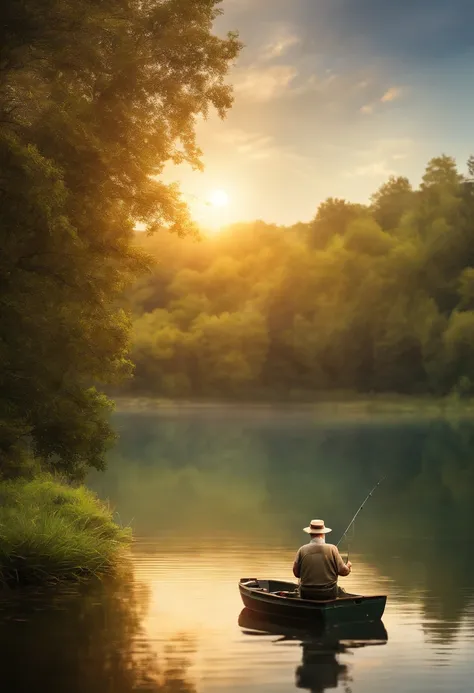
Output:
[[219, 198]]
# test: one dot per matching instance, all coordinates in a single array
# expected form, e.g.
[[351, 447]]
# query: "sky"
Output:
[[331, 98]]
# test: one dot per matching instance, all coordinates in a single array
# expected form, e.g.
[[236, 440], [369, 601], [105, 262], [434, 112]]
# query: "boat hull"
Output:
[[354, 634], [262, 596]]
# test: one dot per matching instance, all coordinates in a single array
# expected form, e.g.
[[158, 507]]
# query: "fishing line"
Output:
[[354, 518]]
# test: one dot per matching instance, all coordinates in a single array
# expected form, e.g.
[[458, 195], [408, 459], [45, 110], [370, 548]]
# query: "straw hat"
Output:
[[317, 527]]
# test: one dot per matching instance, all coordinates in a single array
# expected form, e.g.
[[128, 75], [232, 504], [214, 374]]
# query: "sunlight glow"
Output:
[[219, 198]]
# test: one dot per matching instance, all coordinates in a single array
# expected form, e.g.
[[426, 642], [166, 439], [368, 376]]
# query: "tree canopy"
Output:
[[376, 298], [95, 98]]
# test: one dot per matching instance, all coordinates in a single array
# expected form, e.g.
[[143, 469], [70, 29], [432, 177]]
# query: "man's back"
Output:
[[320, 565]]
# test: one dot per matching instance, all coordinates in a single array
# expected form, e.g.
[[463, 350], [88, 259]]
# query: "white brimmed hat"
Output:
[[317, 527]]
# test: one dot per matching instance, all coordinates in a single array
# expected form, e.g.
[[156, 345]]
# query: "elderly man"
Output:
[[318, 565]]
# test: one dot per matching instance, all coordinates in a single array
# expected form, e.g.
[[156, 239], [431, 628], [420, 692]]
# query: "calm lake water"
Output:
[[217, 494]]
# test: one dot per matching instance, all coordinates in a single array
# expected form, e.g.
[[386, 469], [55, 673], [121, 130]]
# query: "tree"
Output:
[[230, 350], [161, 355], [466, 289], [441, 171], [439, 219], [95, 98], [332, 219], [408, 327], [391, 201], [371, 310], [364, 236], [459, 349], [470, 166]]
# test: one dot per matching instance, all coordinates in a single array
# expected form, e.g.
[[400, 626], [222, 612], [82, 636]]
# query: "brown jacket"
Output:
[[319, 565]]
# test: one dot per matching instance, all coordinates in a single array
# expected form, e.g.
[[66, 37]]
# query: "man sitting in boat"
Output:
[[318, 565]]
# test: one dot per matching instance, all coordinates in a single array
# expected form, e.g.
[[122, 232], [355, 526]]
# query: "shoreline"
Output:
[[53, 533], [353, 406]]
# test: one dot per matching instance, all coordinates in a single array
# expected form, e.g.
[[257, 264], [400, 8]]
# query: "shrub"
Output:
[[51, 532]]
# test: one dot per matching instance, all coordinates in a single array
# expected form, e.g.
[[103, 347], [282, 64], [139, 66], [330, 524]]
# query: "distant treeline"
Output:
[[364, 298]]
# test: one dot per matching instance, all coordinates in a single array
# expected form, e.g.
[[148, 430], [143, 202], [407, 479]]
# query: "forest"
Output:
[[81, 156], [364, 298], [95, 99]]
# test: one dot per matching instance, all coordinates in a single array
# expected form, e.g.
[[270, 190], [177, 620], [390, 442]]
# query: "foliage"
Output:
[[368, 299], [50, 532], [95, 99]]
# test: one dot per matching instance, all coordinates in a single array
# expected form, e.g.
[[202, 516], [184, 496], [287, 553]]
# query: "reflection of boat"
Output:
[[281, 599], [320, 669], [346, 634]]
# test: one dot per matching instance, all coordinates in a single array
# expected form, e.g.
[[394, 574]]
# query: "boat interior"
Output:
[[289, 590]]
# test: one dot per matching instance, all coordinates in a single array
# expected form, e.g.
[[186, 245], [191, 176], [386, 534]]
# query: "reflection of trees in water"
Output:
[[186, 472], [189, 473], [426, 514], [88, 642]]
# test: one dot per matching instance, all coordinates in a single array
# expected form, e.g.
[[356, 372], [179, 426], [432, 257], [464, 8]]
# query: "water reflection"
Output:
[[257, 471], [211, 499], [240, 477], [320, 669], [91, 640]]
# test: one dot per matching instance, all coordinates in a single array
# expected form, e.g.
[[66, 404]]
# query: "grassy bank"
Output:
[[50, 532]]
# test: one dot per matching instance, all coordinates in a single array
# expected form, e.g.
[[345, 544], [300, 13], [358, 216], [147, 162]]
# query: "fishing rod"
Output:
[[354, 518]]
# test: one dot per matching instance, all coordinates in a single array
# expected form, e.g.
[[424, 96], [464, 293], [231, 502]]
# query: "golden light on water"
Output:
[[216, 649]]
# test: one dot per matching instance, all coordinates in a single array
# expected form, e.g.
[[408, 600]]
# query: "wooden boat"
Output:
[[278, 598]]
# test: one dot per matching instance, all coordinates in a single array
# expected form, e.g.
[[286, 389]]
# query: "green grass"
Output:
[[51, 532]]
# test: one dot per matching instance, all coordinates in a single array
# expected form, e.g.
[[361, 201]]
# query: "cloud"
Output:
[[264, 84], [376, 169], [378, 160], [253, 145], [326, 85], [280, 45], [394, 147], [391, 94], [240, 5], [258, 147]]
